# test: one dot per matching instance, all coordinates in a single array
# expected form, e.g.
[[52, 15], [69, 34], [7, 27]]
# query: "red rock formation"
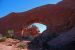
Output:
[[25, 32], [58, 17]]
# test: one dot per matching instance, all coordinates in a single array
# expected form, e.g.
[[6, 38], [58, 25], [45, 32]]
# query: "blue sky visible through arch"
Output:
[[40, 26], [8, 6]]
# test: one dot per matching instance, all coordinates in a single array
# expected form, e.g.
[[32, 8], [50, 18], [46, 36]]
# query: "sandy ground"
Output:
[[12, 44]]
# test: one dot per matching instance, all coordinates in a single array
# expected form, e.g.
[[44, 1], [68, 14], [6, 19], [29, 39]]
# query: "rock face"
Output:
[[58, 18]]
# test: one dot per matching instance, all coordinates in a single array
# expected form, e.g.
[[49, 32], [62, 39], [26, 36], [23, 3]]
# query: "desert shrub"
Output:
[[9, 33], [30, 38], [2, 39], [22, 46]]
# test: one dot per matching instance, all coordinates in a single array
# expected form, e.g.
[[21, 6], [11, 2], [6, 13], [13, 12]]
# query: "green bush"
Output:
[[9, 33], [30, 38], [22, 46], [2, 39]]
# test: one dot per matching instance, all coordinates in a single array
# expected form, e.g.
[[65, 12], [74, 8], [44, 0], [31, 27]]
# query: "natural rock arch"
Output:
[[55, 23]]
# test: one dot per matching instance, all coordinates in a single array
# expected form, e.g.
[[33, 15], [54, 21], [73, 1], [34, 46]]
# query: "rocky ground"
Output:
[[13, 44]]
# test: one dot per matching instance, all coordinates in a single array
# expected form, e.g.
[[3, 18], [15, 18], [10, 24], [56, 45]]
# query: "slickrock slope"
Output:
[[58, 18]]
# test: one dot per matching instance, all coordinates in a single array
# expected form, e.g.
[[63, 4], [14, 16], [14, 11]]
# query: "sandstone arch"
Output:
[[57, 18]]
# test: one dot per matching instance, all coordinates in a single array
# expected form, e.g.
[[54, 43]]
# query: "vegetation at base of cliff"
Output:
[[30, 38], [9, 33], [2, 39], [22, 46]]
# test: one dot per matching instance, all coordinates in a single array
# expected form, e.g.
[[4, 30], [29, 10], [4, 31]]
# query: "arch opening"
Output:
[[40, 26]]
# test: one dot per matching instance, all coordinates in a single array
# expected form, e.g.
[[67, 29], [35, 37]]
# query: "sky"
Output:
[[40, 26], [8, 6]]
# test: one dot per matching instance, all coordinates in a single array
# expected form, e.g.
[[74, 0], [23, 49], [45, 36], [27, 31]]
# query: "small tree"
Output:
[[9, 33]]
